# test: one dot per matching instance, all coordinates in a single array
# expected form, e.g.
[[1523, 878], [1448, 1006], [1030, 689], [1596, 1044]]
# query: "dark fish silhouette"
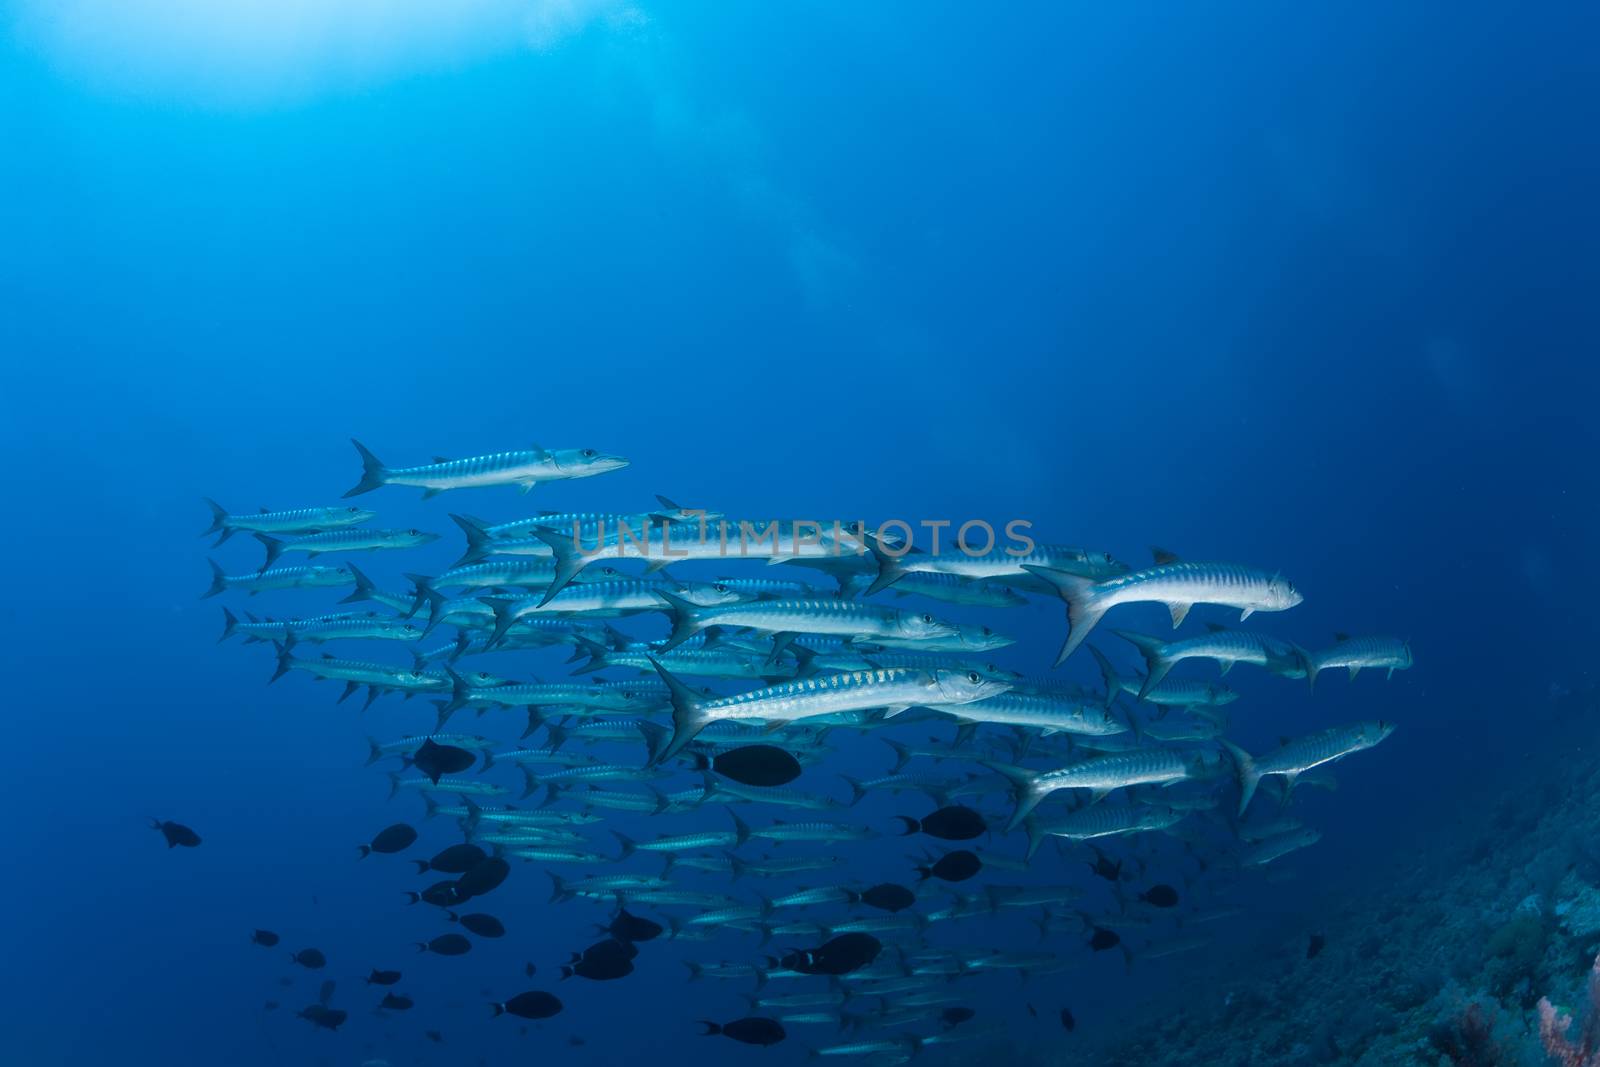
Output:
[[752, 1030], [436, 760], [953, 823], [391, 839], [264, 938], [396, 1002], [446, 945], [1033, 1011], [479, 923], [378, 977], [531, 1005], [843, 954], [1160, 896], [433, 1035], [483, 877], [457, 859], [1317, 941], [1067, 1020], [176, 834], [439, 894], [888, 896], [530, 969], [1102, 939], [759, 765], [955, 866], [956, 1016], [626, 927], [603, 961], [311, 959], [1103, 866], [324, 1017]]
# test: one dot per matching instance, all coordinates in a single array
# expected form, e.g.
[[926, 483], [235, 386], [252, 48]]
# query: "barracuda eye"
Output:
[[719, 587], [927, 618], [974, 677], [589, 453]]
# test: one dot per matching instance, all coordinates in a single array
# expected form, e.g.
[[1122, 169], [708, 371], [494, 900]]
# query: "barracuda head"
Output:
[[485, 680], [963, 687], [981, 639], [584, 462], [354, 516], [1281, 594], [923, 627], [710, 594]]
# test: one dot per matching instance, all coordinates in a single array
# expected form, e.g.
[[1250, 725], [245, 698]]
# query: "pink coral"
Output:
[[1554, 1024]]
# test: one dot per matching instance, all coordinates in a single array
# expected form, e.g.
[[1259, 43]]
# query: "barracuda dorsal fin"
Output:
[[1341, 637], [1161, 557], [443, 459]]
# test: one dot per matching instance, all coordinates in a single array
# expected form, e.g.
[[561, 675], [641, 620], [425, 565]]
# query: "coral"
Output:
[[1554, 1024], [1466, 1038]]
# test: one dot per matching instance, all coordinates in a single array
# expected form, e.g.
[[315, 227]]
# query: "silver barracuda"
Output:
[[1178, 584], [995, 563], [1275, 847], [1100, 820], [361, 539], [1047, 714], [894, 690], [609, 600], [309, 577], [1101, 774], [1381, 653], [281, 523], [849, 618], [1225, 646], [1295, 757], [525, 469]]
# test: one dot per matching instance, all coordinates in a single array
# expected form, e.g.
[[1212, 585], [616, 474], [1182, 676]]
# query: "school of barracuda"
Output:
[[732, 689]]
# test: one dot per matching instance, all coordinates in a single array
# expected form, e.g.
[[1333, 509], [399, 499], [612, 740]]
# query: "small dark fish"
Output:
[[531, 1005], [956, 1016], [1317, 941], [323, 1016], [1033, 1011], [271, 1005], [843, 954], [396, 1002], [953, 823], [446, 945], [626, 927], [264, 938], [483, 877], [1160, 896], [439, 894], [434, 1036], [479, 923], [530, 969], [888, 896], [759, 765], [390, 839], [176, 834], [457, 859], [602, 961], [378, 977], [436, 760], [311, 959], [1067, 1020], [752, 1030], [1103, 866], [576, 1042], [955, 866], [1103, 939]]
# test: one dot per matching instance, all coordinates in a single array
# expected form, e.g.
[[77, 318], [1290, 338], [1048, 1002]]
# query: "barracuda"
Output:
[[276, 578], [506, 573], [463, 787], [848, 618], [775, 795], [998, 563], [1047, 714], [541, 695], [1177, 584], [813, 831], [1100, 820], [700, 662], [608, 600], [780, 868], [1221, 644], [687, 842], [967, 640], [806, 898], [283, 523], [365, 626], [895, 690], [1100, 775], [270, 629], [1276, 847], [355, 540], [557, 855], [1296, 757], [407, 745], [1172, 693], [1382, 653], [525, 469]]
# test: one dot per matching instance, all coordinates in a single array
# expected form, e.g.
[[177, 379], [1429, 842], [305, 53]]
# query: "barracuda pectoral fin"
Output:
[[1181, 612], [1223, 667], [1355, 669], [892, 710], [429, 494]]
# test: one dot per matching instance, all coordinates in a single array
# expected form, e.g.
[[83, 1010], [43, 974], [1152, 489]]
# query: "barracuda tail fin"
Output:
[[857, 790], [594, 650], [230, 625], [1313, 667], [480, 540], [628, 845], [284, 649], [1036, 835], [374, 753], [1083, 610], [890, 569], [273, 546], [568, 559], [688, 715], [1156, 662], [687, 619], [364, 590], [219, 522], [1023, 791], [1245, 768], [1108, 675], [373, 473], [505, 617], [219, 581]]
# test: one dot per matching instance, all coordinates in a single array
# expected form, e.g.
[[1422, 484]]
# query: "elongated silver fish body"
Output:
[[282, 523], [1295, 757], [1100, 820], [1225, 646], [1274, 847], [1048, 714], [1100, 775], [1355, 653], [524, 468]]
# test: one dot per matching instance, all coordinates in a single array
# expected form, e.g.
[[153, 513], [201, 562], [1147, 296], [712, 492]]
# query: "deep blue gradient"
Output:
[[1304, 290]]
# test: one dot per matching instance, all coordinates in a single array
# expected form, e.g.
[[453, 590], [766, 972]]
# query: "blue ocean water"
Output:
[[1306, 289]]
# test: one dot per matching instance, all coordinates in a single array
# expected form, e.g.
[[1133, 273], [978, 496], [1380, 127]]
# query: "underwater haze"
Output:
[[1275, 322]]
